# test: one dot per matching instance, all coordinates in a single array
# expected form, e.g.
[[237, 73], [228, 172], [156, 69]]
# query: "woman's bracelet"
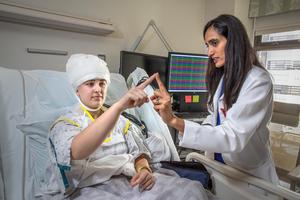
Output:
[[143, 167]]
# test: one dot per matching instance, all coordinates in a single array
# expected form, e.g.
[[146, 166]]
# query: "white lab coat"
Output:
[[243, 136]]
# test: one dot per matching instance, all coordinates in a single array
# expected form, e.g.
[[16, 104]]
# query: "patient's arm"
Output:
[[142, 155], [88, 140]]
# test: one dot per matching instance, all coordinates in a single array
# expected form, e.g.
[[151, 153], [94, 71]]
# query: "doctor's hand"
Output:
[[144, 179], [161, 100], [136, 96]]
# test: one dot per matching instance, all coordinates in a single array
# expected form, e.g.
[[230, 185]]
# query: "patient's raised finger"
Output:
[[147, 82]]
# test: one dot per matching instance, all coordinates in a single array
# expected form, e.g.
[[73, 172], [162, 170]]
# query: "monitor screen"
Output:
[[187, 82], [187, 72], [129, 61]]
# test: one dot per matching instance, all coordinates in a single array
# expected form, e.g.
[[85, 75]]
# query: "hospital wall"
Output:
[[181, 22]]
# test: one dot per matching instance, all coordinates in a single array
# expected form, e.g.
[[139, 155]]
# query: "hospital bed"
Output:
[[31, 100]]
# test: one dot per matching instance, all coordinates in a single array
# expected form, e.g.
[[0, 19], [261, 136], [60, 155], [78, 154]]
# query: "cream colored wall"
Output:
[[238, 8], [213, 8], [179, 21], [241, 11]]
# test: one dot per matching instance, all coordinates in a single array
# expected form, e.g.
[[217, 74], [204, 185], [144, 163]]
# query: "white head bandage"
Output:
[[83, 67]]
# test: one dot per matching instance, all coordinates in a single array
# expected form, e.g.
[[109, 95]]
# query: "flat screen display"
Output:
[[187, 72], [129, 61]]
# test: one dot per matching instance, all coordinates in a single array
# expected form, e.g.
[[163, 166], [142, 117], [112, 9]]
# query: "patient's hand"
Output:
[[144, 179], [135, 96]]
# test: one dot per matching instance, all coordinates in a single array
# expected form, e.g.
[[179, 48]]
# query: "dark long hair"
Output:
[[239, 59]]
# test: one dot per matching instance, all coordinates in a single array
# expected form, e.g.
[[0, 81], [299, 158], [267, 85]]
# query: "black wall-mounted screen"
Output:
[[129, 61]]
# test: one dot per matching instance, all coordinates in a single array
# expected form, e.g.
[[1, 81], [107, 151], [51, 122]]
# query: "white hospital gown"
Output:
[[63, 132], [108, 170]]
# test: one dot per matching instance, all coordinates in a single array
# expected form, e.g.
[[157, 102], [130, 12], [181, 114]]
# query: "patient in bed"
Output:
[[99, 154]]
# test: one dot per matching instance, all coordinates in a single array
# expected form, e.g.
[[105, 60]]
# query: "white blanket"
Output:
[[168, 186]]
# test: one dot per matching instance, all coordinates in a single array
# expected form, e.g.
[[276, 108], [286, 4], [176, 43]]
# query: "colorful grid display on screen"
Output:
[[187, 73]]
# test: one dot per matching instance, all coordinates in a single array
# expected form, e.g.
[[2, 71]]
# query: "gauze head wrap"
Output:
[[83, 67]]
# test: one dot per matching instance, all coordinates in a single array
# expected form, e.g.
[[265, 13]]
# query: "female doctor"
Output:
[[240, 103]]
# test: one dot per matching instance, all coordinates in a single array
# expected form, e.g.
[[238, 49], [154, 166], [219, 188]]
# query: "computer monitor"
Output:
[[129, 61], [187, 72], [187, 81]]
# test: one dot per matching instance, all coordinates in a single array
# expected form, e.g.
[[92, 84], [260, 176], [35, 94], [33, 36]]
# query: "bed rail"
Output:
[[244, 177]]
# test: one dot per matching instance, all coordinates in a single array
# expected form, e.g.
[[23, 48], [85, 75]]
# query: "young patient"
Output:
[[98, 153]]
